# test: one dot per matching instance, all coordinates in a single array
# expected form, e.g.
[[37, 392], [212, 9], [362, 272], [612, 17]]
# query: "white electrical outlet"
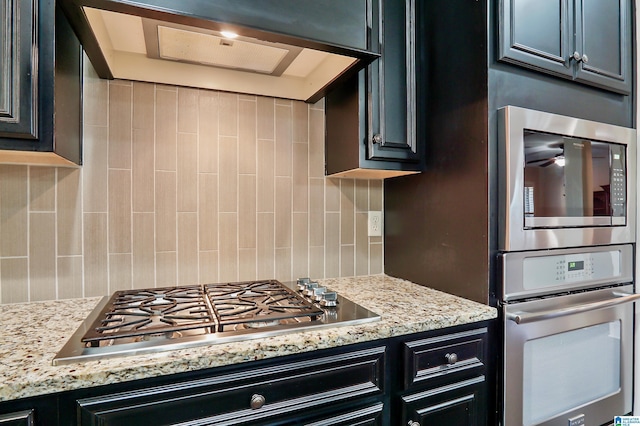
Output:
[[375, 224]]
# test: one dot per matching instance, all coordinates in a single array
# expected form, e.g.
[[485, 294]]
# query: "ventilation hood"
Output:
[[294, 49]]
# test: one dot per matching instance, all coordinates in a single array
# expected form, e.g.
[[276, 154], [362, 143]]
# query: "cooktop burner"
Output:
[[158, 319]]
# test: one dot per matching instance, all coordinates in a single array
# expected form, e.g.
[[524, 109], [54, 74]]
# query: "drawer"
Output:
[[250, 394], [444, 355]]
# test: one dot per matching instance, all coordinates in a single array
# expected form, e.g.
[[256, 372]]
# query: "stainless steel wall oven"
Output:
[[567, 220], [568, 356]]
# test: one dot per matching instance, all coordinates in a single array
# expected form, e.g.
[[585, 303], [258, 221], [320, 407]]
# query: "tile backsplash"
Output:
[[183, 186]]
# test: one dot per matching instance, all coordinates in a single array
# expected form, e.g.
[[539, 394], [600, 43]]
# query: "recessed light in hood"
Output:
[[132, 43]]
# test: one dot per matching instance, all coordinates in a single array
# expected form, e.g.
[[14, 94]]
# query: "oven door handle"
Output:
[[527, 317]]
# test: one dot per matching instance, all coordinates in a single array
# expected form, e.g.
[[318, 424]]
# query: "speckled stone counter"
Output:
[[32, 333]]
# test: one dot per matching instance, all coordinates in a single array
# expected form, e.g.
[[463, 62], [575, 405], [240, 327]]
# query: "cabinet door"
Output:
[[603, 43], [18, 69], [462, 403], [392, 83], [537, 34], [21, 418]]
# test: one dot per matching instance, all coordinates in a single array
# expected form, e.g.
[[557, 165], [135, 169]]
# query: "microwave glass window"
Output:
[[567, 177]]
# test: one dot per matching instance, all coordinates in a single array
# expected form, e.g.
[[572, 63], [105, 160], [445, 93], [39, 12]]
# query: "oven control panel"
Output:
[[545, 271], [529, 274]]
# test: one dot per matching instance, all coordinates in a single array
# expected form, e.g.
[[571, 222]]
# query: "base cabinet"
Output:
[[444, 379], [461, 403], [405, 380]]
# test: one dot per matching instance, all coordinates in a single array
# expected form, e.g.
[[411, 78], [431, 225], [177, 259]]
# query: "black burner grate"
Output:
[[257, 303], [167, 311]]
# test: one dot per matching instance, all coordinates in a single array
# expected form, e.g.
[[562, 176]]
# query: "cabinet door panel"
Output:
[[536, 34], [461, 403], [18, 69], [392, 85], [602, 39]]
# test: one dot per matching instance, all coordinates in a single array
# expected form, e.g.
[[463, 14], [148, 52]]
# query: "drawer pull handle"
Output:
[[257, 401], [451, 358]]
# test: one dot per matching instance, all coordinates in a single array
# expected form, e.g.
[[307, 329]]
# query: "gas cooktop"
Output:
[[159, 319]]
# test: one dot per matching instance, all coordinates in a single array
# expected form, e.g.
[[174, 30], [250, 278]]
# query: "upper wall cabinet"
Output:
[[40, 85], [589, 41], [294, 49], [371, 125]]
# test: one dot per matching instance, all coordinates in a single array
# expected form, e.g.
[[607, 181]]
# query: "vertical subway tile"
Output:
[[96, 261], [300, 252], [247, 137], [300, 177], [187, 110], [228, 174], [70, 277], [266, 118], [266, 176], [42, 256], [95, 96], [266, 245], [283, 264], [119, 211], [13, 210], [332, 194], [165, 211], [166, 129], [247, 211], [187, 172], [316, 262], [143, 172], [347, 261], [120, 275], [120, 124], [208, 211], [208, 267], [316, 143], [376, 259], [42, 189], [144, 105], [347, 209], [300, 122], [143, 256], [375, 195], [95, 153], [208, 131], [283, 212], [332, 245], [283, 140], [228, 246], [228, 114], [69, 212], [316, 212], [247, 265], [14, 276], [362, 244], [362, 195], [187, 248], [166, 269]]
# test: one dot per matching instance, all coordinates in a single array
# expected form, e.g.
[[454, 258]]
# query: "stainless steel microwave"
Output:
[[564, 181]]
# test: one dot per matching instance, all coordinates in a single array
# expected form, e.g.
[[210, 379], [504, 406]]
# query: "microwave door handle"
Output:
[[528, 317]]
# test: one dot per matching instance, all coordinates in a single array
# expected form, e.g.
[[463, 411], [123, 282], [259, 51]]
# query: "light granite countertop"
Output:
[[32, 333]]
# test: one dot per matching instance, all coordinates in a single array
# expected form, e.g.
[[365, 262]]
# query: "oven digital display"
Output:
[[576, 265]]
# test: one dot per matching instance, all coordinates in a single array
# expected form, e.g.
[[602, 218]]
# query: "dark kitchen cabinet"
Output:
[[21, 418], [371, 126], [588, 41], [40, 85], [444, 380], [342, 387]]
